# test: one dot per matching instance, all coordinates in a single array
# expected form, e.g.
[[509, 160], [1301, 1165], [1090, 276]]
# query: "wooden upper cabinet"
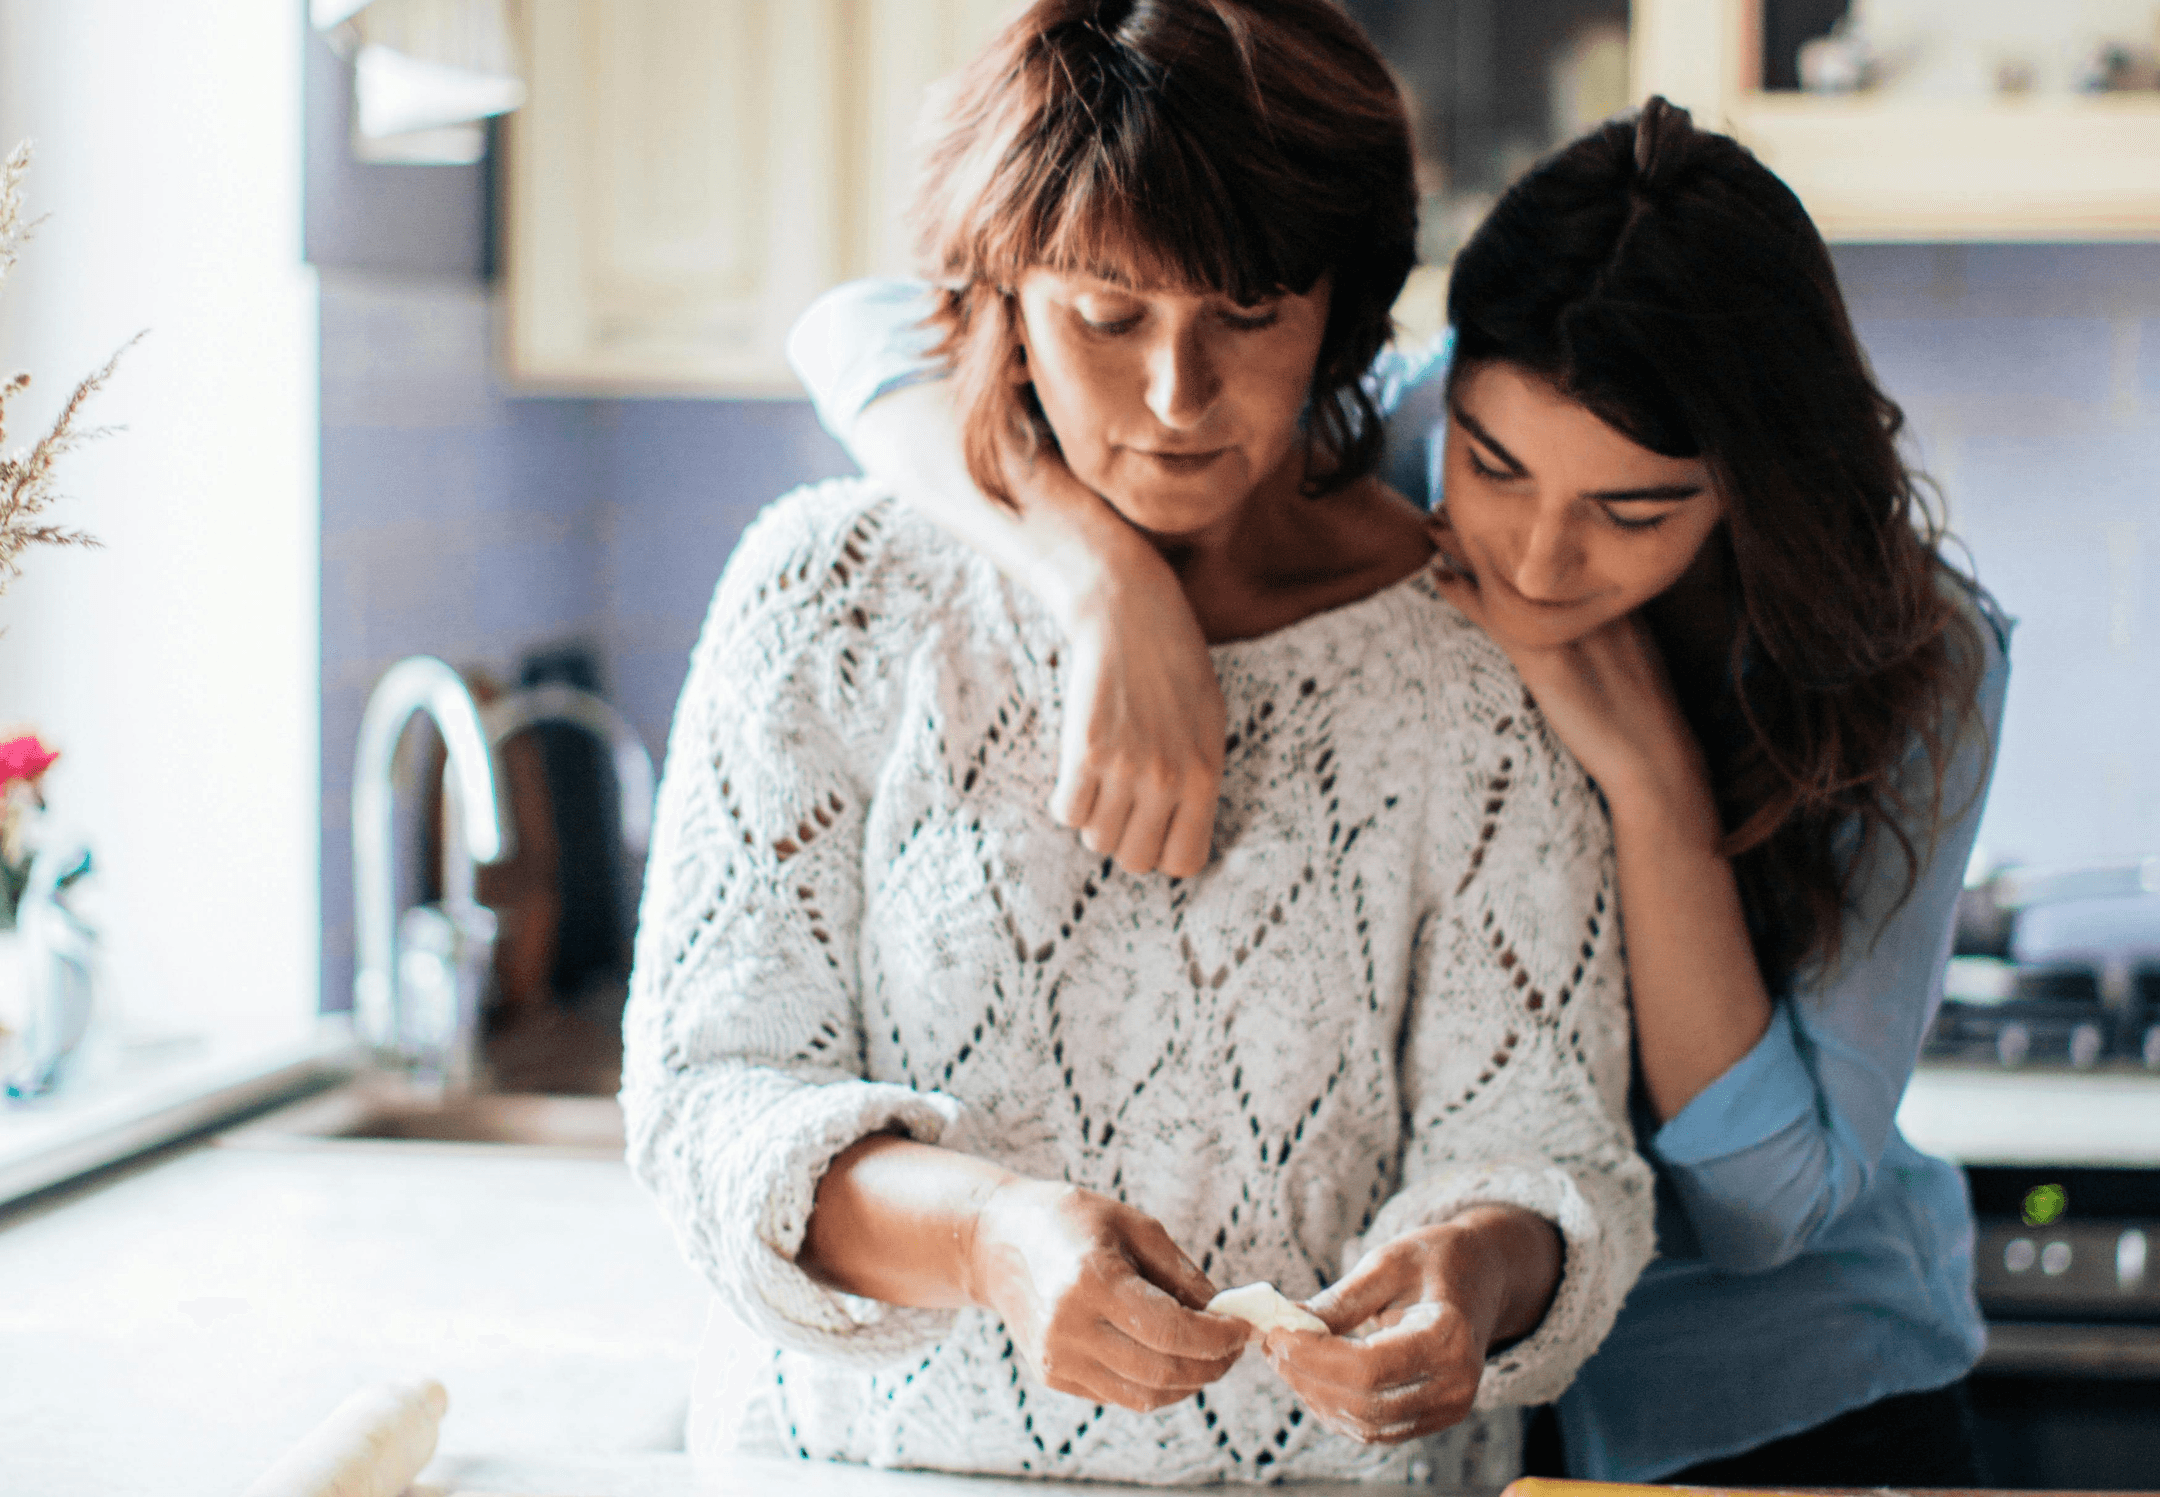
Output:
[[1882, 167], [686, 175]]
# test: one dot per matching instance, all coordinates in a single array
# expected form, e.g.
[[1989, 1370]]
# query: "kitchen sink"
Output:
[[376, 1109]]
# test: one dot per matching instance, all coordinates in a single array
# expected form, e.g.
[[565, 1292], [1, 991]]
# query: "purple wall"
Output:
[[2031, 374], [463, 522]]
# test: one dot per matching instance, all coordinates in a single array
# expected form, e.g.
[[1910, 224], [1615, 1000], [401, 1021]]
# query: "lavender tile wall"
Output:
[[685, 477], [470, 524], [463, 522], [2031, 374], [455, 522]]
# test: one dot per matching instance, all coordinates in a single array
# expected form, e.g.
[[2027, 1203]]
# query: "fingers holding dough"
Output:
[[1265, 1308]]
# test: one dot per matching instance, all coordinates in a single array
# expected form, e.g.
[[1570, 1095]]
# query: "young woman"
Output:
[[964, 1123], [1672, 495]]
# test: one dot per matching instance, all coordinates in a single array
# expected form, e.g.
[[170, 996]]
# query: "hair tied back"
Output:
[[1662, 132]]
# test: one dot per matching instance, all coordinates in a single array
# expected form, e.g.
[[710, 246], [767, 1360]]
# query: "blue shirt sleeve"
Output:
[[1775, 1150], [859, 341], [1410, 387]]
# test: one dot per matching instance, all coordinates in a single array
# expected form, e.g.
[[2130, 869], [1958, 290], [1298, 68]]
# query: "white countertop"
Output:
[[1985, 1115], [175, 1328]]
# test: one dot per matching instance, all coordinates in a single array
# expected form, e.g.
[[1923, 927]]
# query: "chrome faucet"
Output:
[[508, 716], [419, 981]]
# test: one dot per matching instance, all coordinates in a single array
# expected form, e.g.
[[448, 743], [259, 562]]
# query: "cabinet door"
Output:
[[907, 46], [676, 190]]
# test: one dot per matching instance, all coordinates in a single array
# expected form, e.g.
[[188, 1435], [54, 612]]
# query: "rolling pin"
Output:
[[372, 1445]]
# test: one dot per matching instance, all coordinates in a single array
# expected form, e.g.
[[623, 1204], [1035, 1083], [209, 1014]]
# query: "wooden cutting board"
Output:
[[1542, 1486]]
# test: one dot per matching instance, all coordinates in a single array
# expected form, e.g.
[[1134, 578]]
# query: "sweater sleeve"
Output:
[[1771, 1154], [1515, 1059], [743, 1044]]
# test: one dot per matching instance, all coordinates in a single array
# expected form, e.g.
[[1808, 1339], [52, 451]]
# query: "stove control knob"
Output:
[[2013, 1042], [2130, 1261], [2086, 1042], [2020, 1255], [2055, 1259], [2152, 1048]]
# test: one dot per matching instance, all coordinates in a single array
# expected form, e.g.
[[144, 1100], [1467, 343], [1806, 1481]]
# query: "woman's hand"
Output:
[[1097, 1298], [1694, 987], [1141, 751], [1610, 699], [1435, 1302], [1141, 757]]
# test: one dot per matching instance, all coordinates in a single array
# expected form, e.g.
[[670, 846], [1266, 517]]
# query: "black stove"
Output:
[[2057, 1014], [2059, 969]]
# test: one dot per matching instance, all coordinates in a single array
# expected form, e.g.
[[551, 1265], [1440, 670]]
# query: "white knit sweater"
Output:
[[1395, 992]]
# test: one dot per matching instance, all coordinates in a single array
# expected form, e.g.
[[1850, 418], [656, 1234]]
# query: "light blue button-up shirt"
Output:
[[1810, 1260]]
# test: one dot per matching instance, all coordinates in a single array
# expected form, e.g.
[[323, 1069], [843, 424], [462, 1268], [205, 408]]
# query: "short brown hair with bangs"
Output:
[[1249, 147]]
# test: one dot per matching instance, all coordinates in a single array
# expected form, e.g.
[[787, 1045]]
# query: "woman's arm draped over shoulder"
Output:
[[1774, 1151], [1140, 759]]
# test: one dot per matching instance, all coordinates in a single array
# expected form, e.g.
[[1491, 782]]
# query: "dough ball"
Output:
[[1265, 1308]]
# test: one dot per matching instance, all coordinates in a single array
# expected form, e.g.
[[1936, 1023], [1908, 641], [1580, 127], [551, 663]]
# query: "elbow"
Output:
[[1756, 1211], [1759, 1234], [1744, 1247]]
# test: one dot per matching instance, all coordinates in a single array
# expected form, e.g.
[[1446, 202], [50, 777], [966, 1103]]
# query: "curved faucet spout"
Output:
[[420, 683], [508, 716]]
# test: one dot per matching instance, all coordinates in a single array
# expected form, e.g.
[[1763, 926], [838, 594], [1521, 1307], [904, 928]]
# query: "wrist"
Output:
[[1464, 1269], [1666, 801], [1086, 562], [981, 1239]]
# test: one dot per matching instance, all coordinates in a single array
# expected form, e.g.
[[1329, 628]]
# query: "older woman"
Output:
[[963, 1122]]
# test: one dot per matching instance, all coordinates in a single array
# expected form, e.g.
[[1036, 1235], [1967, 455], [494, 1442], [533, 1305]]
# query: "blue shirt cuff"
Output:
[[1768, 1090], [859, 341]]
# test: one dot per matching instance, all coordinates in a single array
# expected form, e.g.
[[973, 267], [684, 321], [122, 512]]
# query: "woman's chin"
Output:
[[1174, 513], [1540, 629]]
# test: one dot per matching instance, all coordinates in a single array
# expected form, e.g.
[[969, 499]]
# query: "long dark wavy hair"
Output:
[[1245, 146], [1665, 279]]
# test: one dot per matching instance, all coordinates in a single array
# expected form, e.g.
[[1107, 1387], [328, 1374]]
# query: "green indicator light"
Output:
[[2044, 1204]]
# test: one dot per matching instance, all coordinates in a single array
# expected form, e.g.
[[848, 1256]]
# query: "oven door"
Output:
[[2068, 1272]]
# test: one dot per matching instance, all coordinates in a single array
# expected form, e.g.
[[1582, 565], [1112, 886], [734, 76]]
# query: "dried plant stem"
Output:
[[13, 231], [26, 476]]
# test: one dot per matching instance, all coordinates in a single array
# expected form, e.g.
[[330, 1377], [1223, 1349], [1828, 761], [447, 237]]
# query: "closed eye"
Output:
[[1111, 329], [1642, 518], [1483, 469]]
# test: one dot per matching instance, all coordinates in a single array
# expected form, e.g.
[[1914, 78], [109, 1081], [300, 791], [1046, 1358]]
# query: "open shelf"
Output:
[[1881, 167]]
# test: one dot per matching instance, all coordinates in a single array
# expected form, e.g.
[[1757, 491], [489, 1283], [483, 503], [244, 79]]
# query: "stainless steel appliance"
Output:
[[2057, 975], [2057, 969], [2068, 1273]]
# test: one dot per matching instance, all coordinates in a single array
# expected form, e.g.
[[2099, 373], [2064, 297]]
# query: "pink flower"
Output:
[[24, 759]]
